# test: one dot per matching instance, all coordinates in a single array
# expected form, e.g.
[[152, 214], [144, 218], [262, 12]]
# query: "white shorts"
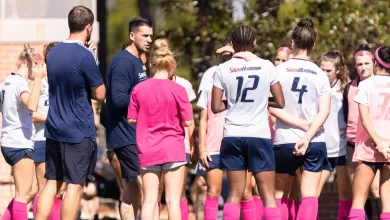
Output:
[[165, 166]]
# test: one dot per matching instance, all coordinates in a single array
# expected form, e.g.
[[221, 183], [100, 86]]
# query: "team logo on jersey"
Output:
[[244, 68], [142, 76], [301, 70]]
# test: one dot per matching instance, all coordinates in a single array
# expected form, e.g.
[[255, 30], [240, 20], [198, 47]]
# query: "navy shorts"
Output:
[[188, 158], [376, 165], [214, 164], [70, 162], [315, 159], [110, 154], [335, 162], [247, 153], [14, 155], [128, 159], [39, 149]]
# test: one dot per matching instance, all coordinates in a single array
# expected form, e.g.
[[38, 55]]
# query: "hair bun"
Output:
[[161, 47], [306, 23], [161, 43]]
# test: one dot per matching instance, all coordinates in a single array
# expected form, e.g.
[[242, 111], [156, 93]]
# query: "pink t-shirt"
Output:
[[353, 112], [374, 93], [159, 106]]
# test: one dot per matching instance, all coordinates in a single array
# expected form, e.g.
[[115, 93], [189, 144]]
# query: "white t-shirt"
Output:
[[246, 85], [302, 83], [43, 108], [335, 126], [18, 130], [188, 86], [206, 84]]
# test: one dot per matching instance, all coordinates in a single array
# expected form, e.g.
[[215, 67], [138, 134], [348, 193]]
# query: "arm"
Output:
[[202, 131], [38, 117], [277, 100], [31, 100], [217, 105], [320, 118], [132, 110], [185, 107], [289, 119], [93, 77], [121, 84], [98, 93]]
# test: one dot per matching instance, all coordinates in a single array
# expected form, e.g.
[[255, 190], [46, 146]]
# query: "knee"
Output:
[[27, 194], [247, 194], [213, 192], [375, 190]]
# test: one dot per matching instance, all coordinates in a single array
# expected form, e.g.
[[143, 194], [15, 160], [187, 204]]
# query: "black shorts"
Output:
[[128, 159], [70, 162]]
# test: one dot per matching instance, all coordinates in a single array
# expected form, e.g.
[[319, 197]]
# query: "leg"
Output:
[[183, 197], [161, 186], [46, 199], [173, 182], [231, 209], [71, 202], [200, 197], [150, 191], [247, 202], [344, 189], [375, 192], [309, 188], [282, 188], [293, 200], [385, 190], [214, 185], [363, 177], [130, 203], [324, 177], [114, 162]]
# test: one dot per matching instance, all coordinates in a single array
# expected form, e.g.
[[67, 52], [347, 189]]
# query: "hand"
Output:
[[301, 147], [226, 48], [40, 71], [92, 47], [384, 148], [204, 157]]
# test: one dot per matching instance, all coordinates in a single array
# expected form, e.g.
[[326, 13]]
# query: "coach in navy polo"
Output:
[[74, 79], [124, 72]]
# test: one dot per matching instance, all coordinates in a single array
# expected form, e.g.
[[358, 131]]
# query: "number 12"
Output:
[[245, 90]]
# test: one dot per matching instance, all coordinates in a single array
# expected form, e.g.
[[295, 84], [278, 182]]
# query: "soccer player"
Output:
[[74, 79], [124, 72], [247, 81], [372, 138], [161, 116], [297, 140], [282, 55], [333, 64], [17, 104], [39, 119]]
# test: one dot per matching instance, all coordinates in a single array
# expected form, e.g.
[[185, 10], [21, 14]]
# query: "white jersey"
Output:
[[206, 84], [43, 108], [18, 130], [302, 83], [246, 83], [187, 86], [335, 126]]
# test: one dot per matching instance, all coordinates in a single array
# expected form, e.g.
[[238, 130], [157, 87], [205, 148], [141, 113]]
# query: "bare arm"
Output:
[[365, 117], [131, 121], [320, 118], [31, 100], [38, 117], [289, 119], [98, 93], [202, 130], [277, 99], [217, 104]]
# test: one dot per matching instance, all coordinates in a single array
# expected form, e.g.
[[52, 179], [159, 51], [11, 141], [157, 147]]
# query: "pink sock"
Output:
[[259, 208], [231, 211], [385, 216], [308, 208], [248, 209], [292, 206], [211, 208], [184, 209], [344, 207], [19, 210], [55, 213], [7, 212], [283, 206], [357, 214], [35, 205], [272, 214]]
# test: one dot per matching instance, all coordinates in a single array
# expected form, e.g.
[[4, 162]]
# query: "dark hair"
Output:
[[79, 17], [339, 62], [47, 48], [384, 57], [138, 22], [304, 35], [228, 39], [243, 38], [363, 47]]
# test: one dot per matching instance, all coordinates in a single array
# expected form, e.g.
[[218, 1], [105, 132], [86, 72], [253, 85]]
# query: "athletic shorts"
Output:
[[315, 159], [165, 166], [40, 151], [70, 162], [335, 161], [247, 153], [128, 159], [188, 158], [350, 151], [213, 164], [376, 165], [14, 155]]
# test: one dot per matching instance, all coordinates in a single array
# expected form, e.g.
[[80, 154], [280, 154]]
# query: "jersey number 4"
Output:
[[301, 91], [242, 92]]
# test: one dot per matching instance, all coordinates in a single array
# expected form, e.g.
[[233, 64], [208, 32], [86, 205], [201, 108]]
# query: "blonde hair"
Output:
[[163, 58], [28, 54]]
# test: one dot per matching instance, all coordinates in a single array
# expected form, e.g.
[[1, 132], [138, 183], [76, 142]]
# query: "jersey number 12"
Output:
[[244, 91]]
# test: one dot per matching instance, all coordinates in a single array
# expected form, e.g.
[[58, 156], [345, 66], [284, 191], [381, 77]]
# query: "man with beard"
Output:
[[124, 72], [74, 79]]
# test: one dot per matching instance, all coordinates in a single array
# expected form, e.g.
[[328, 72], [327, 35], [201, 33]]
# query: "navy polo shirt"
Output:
[[72, 70], [124, 72]]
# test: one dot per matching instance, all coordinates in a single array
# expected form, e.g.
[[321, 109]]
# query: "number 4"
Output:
[[301, 91]]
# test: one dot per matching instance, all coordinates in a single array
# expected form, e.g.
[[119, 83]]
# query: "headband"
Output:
[[380, 61], [363, 53], [284, 49], [36, 58]]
